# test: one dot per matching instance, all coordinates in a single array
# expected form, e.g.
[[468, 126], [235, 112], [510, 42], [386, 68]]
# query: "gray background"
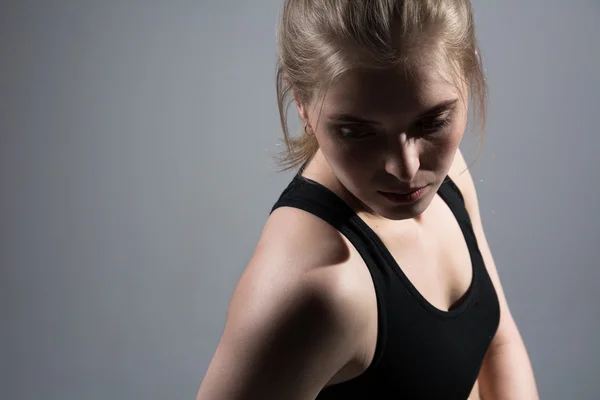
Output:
[[136, 173]]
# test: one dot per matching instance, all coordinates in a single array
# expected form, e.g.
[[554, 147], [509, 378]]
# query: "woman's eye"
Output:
[[354, 133], [433, 125]]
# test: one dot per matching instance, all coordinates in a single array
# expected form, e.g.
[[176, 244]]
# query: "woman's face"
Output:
[[385, 134]]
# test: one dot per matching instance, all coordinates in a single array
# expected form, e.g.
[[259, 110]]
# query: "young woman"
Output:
[[373, 278]]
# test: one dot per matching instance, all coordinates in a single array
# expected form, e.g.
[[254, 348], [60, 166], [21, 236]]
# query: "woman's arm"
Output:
[[293, 322], [506, 373]]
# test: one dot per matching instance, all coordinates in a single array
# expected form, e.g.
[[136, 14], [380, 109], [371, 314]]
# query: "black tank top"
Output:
[[422, 352]]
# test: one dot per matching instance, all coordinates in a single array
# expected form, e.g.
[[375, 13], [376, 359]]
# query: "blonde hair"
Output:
[[318, 40]]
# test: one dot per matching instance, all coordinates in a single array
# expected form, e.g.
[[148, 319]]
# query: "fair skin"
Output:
[[297, 324]]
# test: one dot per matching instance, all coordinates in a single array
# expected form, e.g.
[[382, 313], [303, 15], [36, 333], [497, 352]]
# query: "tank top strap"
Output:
[[453, 197], [316, 199]]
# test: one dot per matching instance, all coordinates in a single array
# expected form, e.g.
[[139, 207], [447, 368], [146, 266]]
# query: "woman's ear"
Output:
[[302, 112], [302, 109]]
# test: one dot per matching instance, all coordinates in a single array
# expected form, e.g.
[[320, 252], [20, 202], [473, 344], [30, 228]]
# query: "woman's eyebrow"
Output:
[[352, 119], [437, 109]]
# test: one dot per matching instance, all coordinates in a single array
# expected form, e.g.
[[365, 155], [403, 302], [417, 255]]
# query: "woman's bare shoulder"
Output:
[[294, 313], [302, 239], [294, 248]]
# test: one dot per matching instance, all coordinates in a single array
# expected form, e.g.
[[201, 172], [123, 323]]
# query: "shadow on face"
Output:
[[390, 131]]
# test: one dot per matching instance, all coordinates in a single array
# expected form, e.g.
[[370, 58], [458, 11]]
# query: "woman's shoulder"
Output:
[[294, 312], [299, 250], [296, 248], [302, 239], [463, 182]]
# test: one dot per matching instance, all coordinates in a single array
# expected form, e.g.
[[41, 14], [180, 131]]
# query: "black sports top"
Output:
[[422, 352]]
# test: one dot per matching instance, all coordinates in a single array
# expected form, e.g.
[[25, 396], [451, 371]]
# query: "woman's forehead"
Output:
[[382, 91]]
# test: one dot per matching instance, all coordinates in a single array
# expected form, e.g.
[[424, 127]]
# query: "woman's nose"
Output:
[[403, 159]]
